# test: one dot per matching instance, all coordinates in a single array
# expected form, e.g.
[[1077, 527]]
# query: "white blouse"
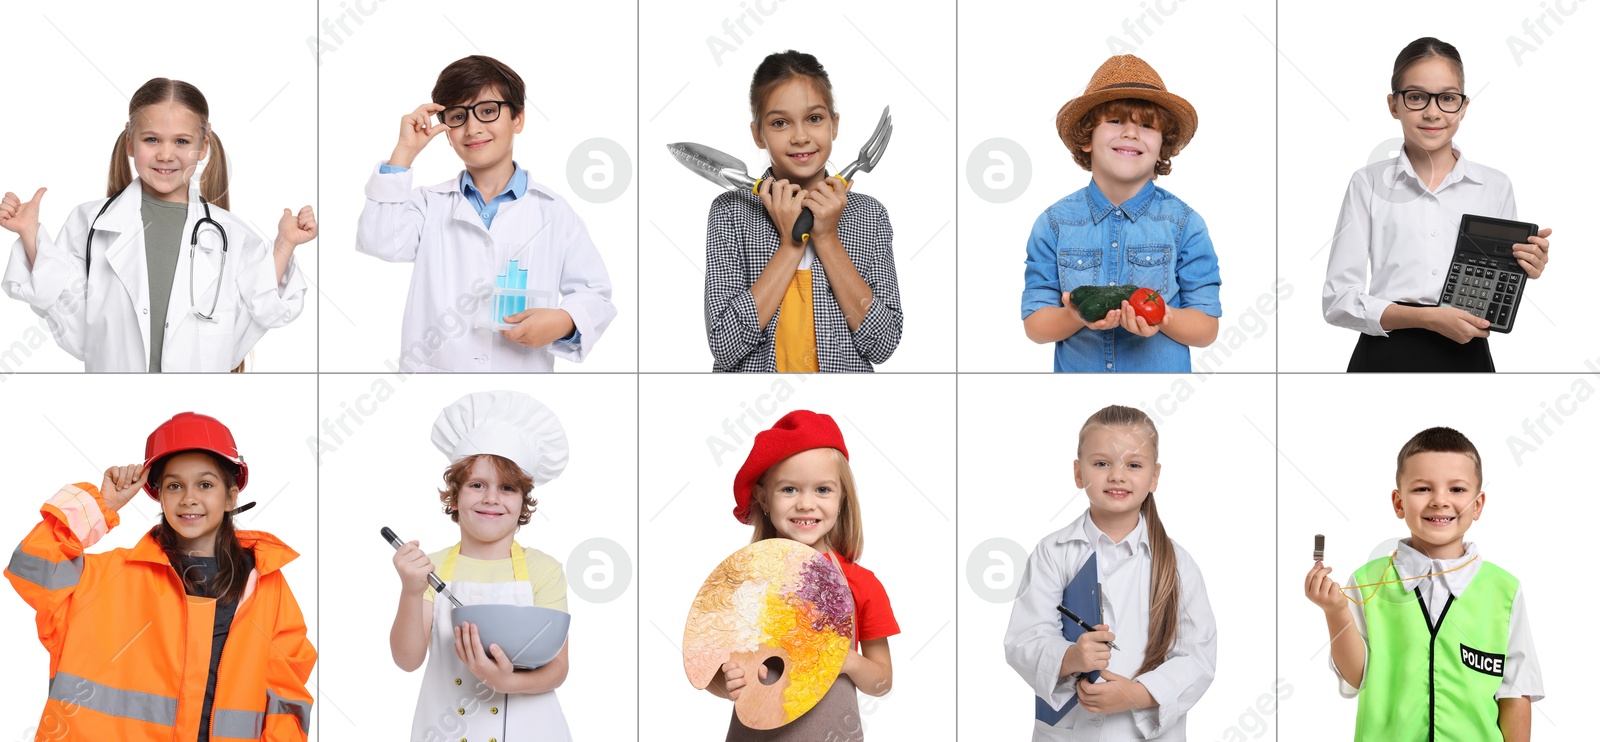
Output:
[[1034, 644], [1405, 233]]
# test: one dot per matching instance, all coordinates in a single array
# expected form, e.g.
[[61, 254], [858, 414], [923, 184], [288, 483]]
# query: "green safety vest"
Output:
[[1434, 681]]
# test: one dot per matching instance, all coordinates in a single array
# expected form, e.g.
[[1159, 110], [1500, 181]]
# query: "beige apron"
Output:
[[454, 706]]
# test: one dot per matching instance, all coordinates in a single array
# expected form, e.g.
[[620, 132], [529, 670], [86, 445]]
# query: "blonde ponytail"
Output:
[[121, 173], [1163, 589], [214, 179]]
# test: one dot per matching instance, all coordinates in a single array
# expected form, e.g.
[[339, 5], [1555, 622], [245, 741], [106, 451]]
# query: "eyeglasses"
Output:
[[485, 111], [1417, 100]]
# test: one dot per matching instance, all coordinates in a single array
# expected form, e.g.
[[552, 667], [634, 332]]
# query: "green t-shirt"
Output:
[[163, 232]]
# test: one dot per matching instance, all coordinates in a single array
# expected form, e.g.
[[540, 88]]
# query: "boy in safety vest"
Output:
[[1442, 647]]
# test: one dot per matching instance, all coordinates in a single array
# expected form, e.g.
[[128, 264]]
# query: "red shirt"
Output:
[[874, 616]]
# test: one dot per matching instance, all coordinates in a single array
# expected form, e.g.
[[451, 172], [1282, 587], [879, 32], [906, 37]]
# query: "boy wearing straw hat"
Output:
[[1123, 229]]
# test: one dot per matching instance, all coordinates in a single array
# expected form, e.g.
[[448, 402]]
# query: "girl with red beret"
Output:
[[796, 484]]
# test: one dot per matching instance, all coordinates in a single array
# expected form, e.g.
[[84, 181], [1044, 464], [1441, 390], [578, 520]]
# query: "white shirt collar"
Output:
[[1463, 170], [1098, 541], [1409, 562]]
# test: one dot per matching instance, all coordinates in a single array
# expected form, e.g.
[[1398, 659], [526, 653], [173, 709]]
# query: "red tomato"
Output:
[[1148, 304]]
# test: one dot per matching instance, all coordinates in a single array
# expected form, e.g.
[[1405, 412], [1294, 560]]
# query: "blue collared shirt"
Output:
[[515, 189], [1153, 240]]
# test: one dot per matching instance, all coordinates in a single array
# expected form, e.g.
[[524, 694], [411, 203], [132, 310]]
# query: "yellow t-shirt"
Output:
[[549, 582]]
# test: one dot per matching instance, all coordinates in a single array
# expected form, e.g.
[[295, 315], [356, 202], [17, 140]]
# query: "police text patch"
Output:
[[1484, 662]]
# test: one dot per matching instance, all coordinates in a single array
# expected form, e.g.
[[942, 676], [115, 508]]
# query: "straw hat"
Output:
[[1127, 76]]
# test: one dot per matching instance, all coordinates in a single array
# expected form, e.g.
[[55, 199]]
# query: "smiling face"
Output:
[[1428, 132], [167, 144], [797, 128], [802, 496], [195, 496], [1116, 467], [1438, 498], [1124, 150], [484, 146], [488, 505]]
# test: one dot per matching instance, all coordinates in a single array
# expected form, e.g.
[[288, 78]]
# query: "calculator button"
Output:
[[1513, 278], [1499, 297], [1504, 316], [1500, 286]]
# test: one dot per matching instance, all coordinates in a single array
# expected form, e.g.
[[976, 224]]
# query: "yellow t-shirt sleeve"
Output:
[[549, 581]]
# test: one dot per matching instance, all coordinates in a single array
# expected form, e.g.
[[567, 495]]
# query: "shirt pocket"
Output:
[[1150, 267], [1078, 266]]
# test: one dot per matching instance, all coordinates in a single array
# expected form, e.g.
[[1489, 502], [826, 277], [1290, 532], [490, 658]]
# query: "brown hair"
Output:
[[776, 69], [456, 476], [462, 80], [847, 539], [213, 179], [1164, 593], [1421, 49], [230, 553], [1439, 440], [1128, 109]]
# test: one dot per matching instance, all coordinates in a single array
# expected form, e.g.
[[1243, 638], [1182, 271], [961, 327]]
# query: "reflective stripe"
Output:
[[45, 573], [126, 704], [301, 710], [237, 724]]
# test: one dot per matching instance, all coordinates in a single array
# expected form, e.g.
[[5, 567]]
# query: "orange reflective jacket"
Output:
[[129, 651]]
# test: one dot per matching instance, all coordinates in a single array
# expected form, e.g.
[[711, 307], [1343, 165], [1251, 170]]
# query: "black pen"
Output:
[[1084, 624]]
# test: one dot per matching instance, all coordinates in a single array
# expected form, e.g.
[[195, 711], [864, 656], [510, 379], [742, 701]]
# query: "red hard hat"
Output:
[[191, 431]]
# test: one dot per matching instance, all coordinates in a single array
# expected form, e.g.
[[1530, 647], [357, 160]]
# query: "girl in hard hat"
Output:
[[137, 636], [502, 445], [797, 484]]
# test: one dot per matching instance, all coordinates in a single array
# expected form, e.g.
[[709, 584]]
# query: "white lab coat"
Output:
[[111, 331], [457, 259]]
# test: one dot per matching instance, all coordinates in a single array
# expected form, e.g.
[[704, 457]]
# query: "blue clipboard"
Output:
[[1081, 597]]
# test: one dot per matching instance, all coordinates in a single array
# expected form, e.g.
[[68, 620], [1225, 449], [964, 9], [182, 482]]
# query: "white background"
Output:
[[63, 430], [1016, 484], [901, 436], [386, 472], [876, 55], [1334, 102], [1336, 476], [63, 116], [1021, 61], [577, 62]]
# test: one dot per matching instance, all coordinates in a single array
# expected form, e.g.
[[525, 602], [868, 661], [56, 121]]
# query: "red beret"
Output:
[[798, 431]]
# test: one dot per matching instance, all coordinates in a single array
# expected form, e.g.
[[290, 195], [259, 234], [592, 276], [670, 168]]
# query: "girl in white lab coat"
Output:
[[1150, 594], [198, 294]]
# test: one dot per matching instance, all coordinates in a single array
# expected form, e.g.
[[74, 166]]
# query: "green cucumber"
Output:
[[1094, 302]]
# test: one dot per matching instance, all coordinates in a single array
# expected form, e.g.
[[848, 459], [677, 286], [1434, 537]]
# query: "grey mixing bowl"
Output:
[[530, 636]]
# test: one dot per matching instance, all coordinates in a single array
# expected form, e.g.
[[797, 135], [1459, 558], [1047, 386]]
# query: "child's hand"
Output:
[[494, 669], [826, 203], [1458, 324], [1132, 322], [784, 201], [1533, 254], [1113, 694], [1092, 651], [537, 328], [733, 678], [1325, 592], [415, 133], [414, 567], [121, 483], [19, 217], [1112, 319], [297, 229]]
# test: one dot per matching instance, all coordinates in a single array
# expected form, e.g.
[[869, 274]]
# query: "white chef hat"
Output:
[[508, 424]]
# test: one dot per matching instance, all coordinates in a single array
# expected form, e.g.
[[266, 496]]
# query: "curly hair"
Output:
[[1139, 111], [508, 472]]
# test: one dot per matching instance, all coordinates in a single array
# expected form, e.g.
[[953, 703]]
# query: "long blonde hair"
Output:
[[1164, 589], [213, 179], [847, 538]]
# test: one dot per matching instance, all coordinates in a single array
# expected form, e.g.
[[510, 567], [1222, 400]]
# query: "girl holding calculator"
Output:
[[1401, 216]]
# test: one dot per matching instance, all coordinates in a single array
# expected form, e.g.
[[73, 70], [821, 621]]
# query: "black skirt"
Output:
[[1418, 350]]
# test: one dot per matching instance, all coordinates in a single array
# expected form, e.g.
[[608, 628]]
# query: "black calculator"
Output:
[[1485, 279]]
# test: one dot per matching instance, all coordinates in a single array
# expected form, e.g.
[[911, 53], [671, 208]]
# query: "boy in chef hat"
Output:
[[501, 445]]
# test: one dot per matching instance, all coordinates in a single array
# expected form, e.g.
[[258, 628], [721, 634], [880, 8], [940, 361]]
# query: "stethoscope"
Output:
[[194, 239]]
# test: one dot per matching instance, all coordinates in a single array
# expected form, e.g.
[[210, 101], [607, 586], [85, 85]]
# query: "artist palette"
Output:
[[776, 603]]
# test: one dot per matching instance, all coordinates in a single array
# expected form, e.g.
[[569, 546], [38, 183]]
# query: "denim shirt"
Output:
[[1152, 240]]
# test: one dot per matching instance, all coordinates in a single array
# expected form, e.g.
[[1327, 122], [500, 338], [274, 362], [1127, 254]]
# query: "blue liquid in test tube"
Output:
[[522, 284], [499, 300]]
